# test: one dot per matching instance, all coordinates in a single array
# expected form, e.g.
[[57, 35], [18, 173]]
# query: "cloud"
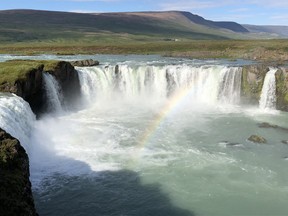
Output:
[[269, 3], [280, 17], [237, 10]]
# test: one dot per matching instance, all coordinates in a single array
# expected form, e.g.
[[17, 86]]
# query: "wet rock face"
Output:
[[69, 82], [252, 82], [15, 187], [282, 89], [257, 139], [31, 89]]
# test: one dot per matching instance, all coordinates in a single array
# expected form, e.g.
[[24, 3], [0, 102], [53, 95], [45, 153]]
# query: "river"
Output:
[[153, 136]]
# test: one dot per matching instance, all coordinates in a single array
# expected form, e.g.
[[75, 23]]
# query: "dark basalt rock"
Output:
[[31, 87], [267, 125], [257, 139], [15, 188], [85, 63]]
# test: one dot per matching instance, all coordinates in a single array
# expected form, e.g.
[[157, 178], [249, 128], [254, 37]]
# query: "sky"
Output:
[[258, 12]]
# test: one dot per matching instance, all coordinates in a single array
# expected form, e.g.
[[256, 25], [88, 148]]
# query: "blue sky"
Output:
[[261, 12]]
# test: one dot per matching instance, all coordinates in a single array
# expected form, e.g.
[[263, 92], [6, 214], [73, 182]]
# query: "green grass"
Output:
[[13, 70], [31, 33], [263, 50]]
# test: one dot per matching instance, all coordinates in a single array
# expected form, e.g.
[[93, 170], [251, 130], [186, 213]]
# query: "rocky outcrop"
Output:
[[85, 63], [15, 187], [252, 81], [31, 89], [282, 88], [257, 139], [31, 86]]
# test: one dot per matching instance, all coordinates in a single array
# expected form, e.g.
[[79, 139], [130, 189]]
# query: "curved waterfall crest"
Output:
[[208, 84], [16, 117]]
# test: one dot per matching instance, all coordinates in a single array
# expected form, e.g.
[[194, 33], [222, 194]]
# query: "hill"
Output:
[[273, 31], [34, 25]]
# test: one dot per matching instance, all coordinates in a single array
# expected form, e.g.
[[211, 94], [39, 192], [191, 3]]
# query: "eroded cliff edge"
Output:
[[15, 188], [25, 79], [252, 81]]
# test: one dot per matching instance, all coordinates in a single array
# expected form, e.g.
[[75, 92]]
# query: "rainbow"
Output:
[[171, 104]]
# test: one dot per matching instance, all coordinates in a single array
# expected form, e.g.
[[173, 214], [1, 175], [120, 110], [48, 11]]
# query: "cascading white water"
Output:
[[16, 118], [208, 84], [53, 92], [268, 93]]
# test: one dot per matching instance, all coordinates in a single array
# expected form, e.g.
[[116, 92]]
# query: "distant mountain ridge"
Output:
[[281, 31], [36, 25], [233, 26]]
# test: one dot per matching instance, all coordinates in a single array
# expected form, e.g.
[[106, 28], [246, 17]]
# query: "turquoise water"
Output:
[[187, 167], [117, 157]]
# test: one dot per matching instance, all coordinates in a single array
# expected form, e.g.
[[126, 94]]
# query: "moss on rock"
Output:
[[257, 139], [252, 81], [282, 89], [15, 187]]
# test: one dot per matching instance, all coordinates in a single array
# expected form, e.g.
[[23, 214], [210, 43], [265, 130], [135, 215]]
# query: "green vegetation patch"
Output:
[[13, 70]]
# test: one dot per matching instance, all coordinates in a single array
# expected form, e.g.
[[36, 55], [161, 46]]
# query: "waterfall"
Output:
[[268, 93], [53, 92], [230, 85], [16, 118], [206, 84]]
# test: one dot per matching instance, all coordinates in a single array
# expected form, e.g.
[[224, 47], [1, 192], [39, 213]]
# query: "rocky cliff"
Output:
[[29, 84], [15, 187], [252, 81]]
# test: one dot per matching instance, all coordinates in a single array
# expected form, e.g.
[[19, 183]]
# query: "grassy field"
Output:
[[17, 69], [265, 50], [180, 34]]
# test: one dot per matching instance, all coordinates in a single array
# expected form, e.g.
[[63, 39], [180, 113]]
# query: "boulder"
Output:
[[85, 63], [15, 188], [267, 125], [257, 139]]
